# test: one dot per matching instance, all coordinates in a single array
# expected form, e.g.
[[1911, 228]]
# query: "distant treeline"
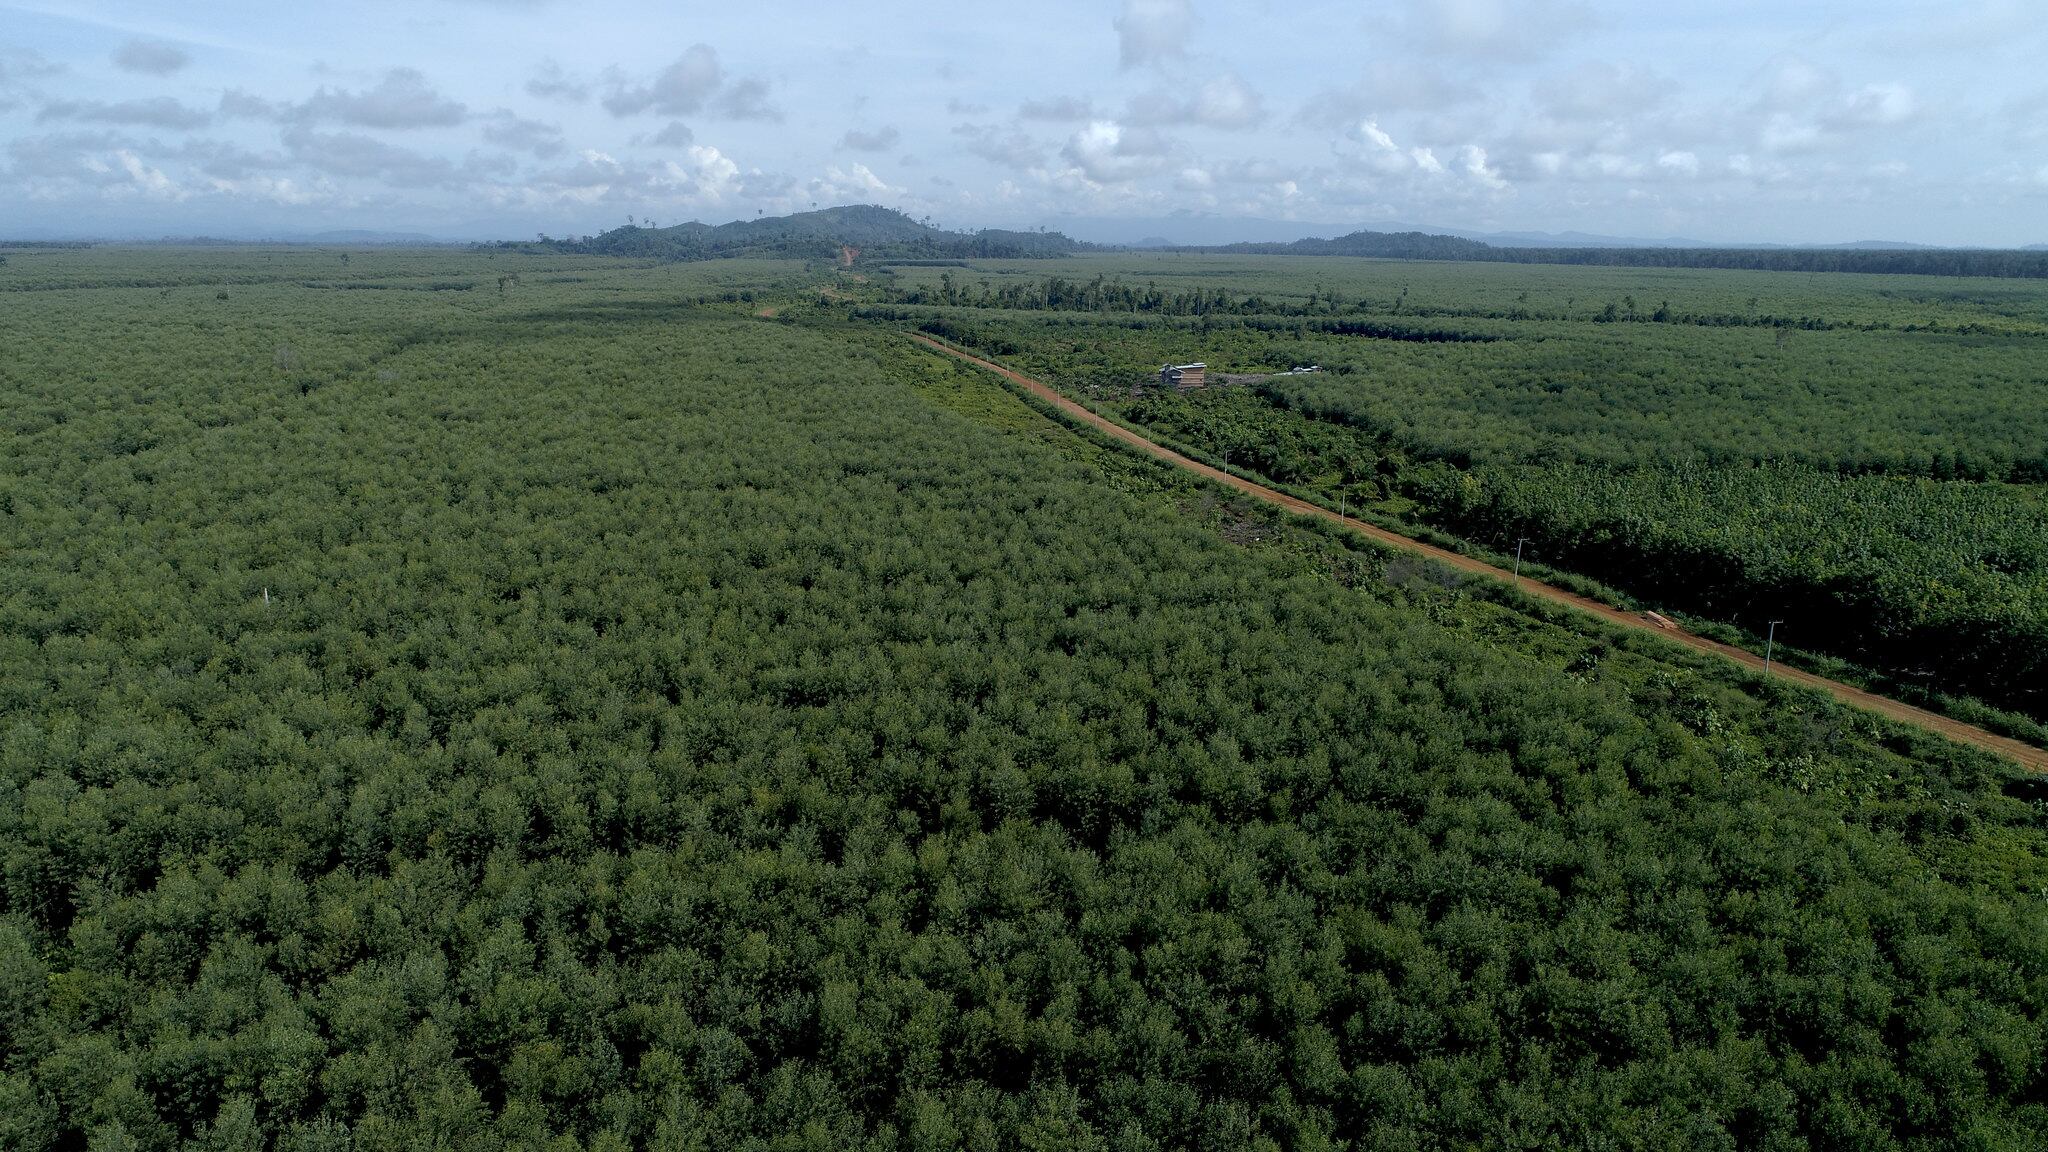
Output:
[[1424, 246], [1115, 297], [989, 337]]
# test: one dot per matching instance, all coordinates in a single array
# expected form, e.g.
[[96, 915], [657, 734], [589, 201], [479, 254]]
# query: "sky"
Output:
[[1789, 121]]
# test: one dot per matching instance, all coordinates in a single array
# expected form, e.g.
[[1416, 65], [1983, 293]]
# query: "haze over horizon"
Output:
[[1901, 120]]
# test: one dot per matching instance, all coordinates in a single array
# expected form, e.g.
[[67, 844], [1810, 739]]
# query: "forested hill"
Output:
[[1390, 245], [873, 230], [2028, 263]]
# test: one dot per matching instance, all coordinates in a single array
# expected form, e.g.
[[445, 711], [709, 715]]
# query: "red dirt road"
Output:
[[2032, 758]]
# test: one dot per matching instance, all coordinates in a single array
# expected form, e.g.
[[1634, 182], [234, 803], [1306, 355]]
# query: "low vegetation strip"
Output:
[[2033, 759]]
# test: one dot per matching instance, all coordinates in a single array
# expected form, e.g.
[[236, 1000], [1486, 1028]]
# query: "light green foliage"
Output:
[[1855, 455], [589, 717]]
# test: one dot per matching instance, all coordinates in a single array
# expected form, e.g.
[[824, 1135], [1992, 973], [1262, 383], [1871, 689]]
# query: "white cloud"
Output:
[[700, 178], [1060, 109], [1371, 146], [1792, 82], [712, 172], [551, 81], [1460, 111], [1106, 152], [1803, 108], [1784, 132], [147, 180], [243, 105], [1149, 31], [225, 161], [53, 167], [747, 100], [1878, 105], [1682, 163], [694, 82], [1252, 171], [153, 57], [156, 112], [589, 179], [282, 190], [684, 87], [402, 99], [2026, 115], [42, 160], [354, 155], [855, 184], [1598, 91], [1008, 148], [507, 129], [878, 140], [1224, 101], [674, 134], [1496, 28], [1383, 86], [19, 66]]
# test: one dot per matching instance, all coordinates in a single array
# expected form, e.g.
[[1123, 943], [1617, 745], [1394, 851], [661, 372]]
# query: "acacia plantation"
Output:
[[532, 699]]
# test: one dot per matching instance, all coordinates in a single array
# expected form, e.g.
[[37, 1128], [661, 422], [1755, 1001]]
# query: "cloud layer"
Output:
[[1814, 123]]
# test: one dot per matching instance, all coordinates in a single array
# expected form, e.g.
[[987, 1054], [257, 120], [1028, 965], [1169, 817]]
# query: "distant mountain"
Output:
[[1867, 256], [1386, 245], [364, 236], [341, 237], [869, 231], [1572, 240], [2035, 248], [1880, 246], [1195, 230]]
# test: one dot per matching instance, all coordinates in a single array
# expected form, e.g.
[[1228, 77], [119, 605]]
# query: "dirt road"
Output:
[[2029, 757]]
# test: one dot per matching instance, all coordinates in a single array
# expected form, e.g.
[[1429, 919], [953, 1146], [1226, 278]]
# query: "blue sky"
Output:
[[1739, 120]]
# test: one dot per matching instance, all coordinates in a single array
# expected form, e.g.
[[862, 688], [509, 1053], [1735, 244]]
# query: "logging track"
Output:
[[2026, 755]]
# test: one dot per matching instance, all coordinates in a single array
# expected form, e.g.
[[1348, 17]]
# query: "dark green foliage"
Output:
[[1915, 404], [1269, 440], [1118, 299], [1942, 583], [585, 720]]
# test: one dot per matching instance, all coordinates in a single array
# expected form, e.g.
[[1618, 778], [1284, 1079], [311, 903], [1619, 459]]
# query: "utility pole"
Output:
[[1769, 640], [1518, 559]]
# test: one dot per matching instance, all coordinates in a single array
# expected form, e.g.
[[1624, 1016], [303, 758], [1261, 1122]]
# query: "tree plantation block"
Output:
[[596, 716]]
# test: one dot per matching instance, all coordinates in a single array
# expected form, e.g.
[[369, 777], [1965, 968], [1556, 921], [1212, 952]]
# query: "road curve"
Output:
[[2026, 755]]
